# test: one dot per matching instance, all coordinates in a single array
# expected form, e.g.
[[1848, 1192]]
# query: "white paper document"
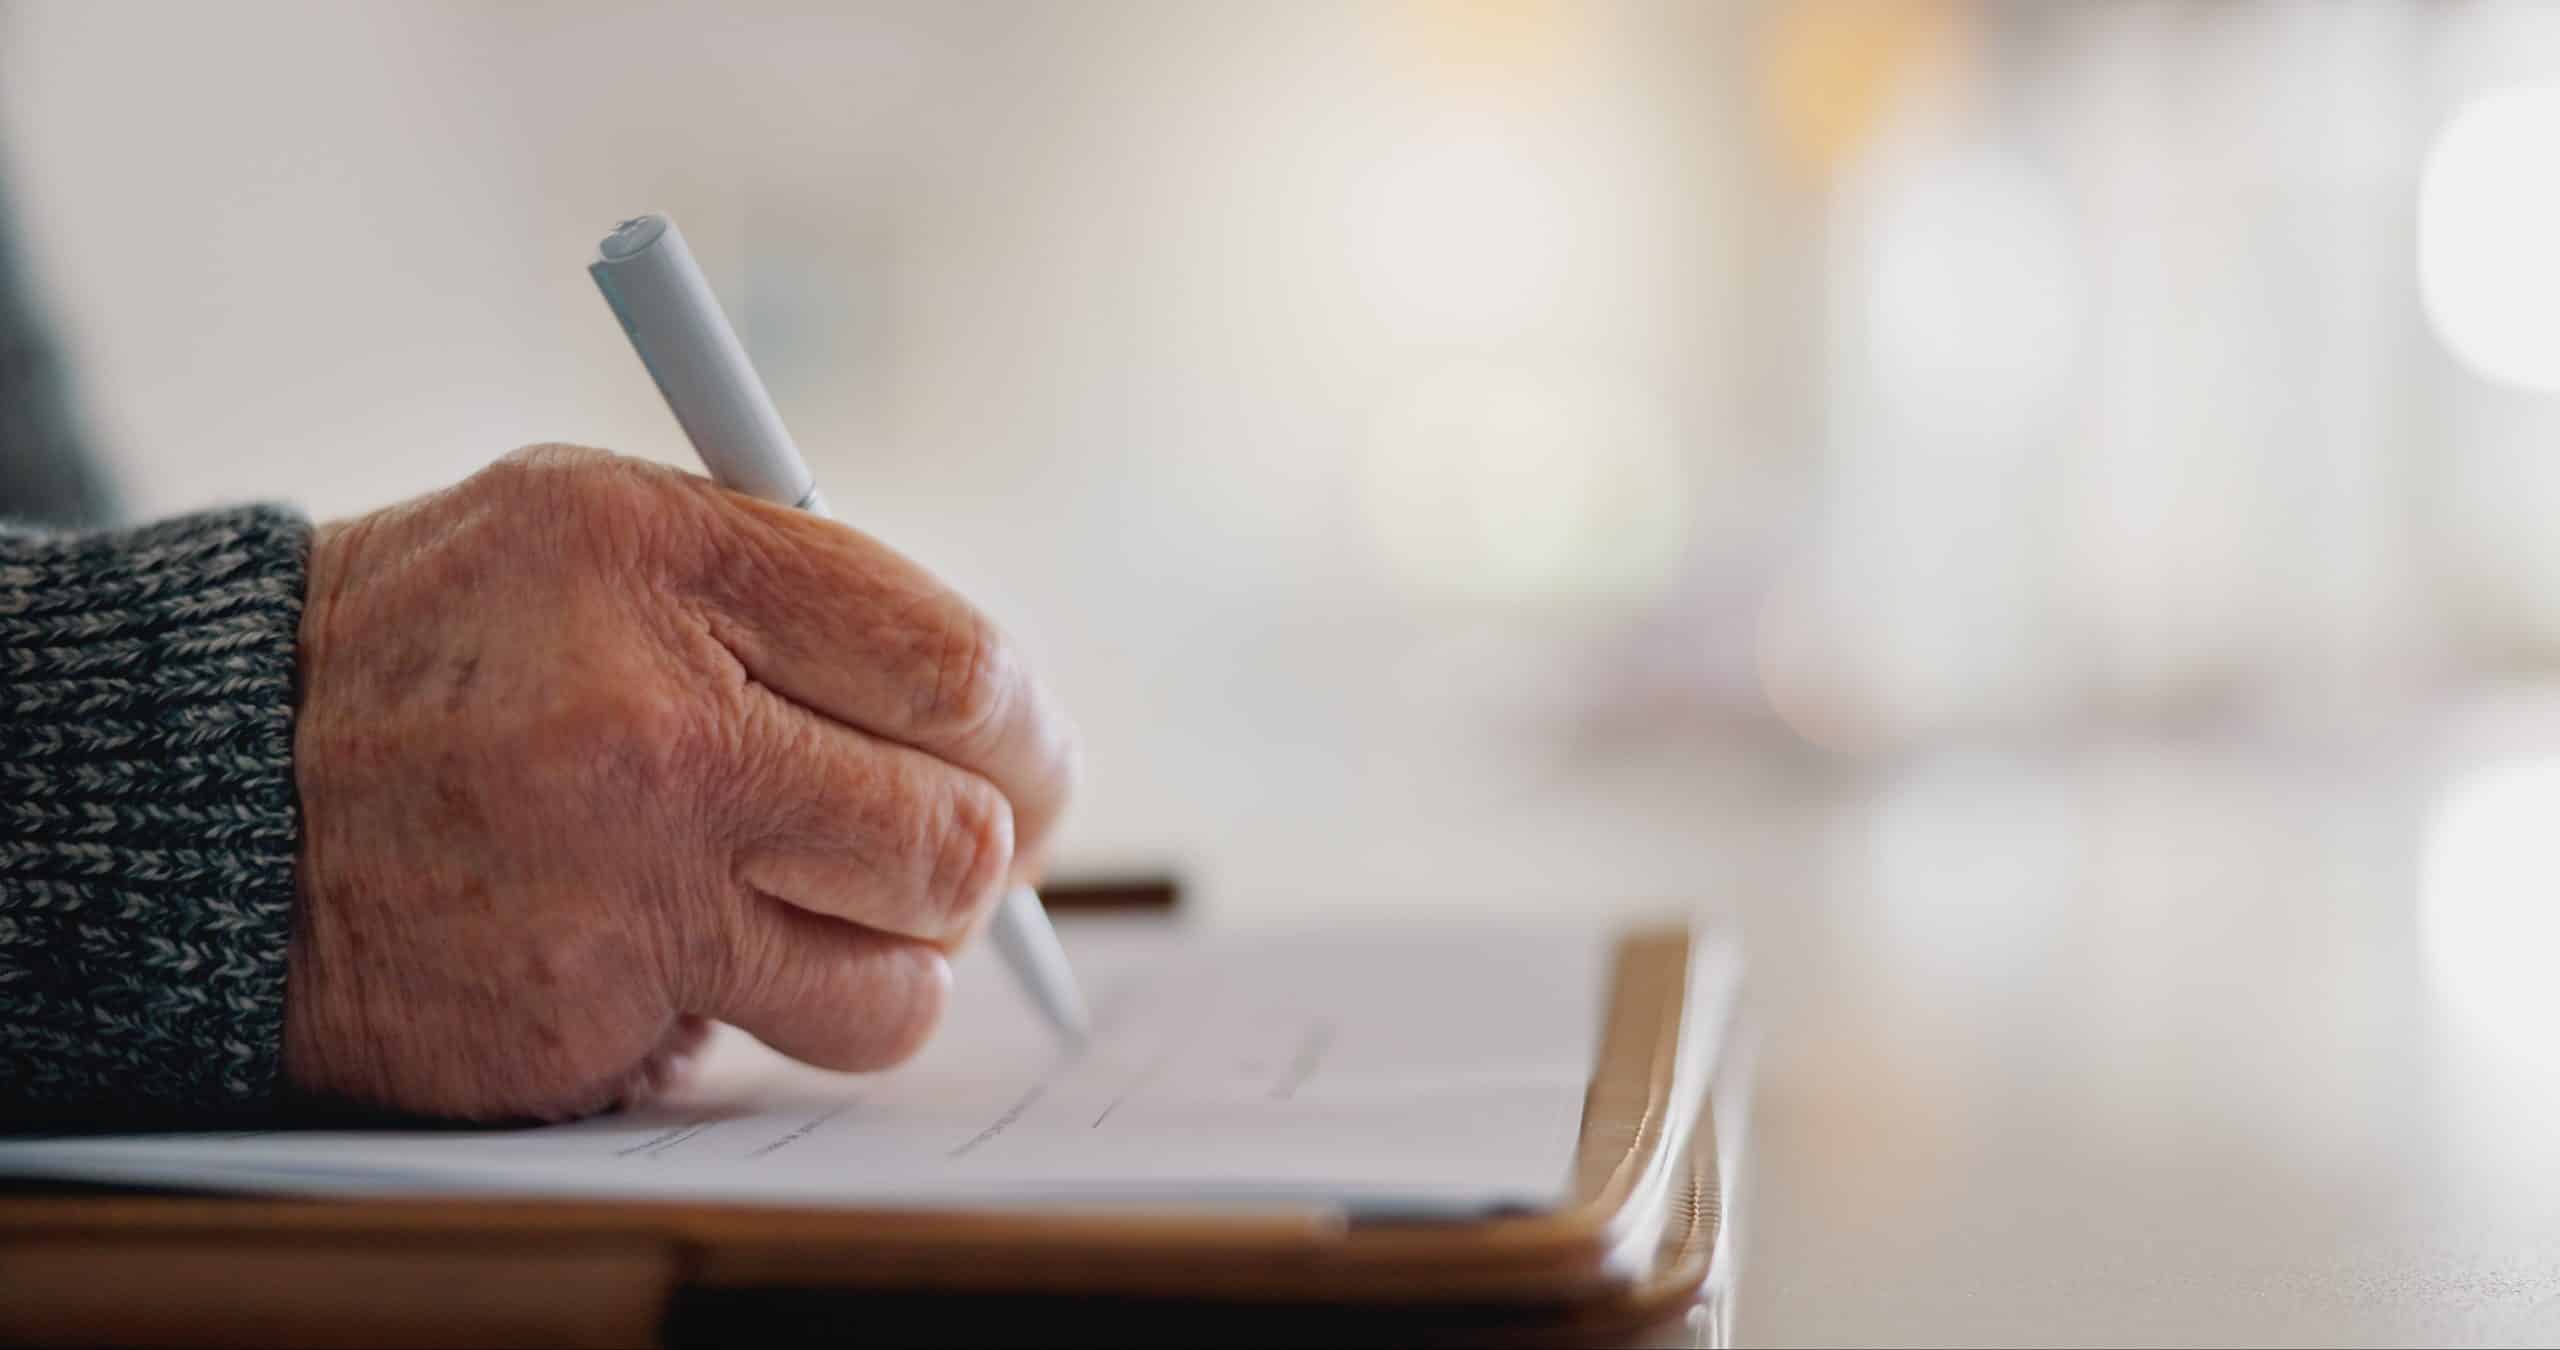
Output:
[[1406, 1071]]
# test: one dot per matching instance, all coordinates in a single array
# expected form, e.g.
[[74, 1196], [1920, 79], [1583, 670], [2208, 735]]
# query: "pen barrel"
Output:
[[674, 321]]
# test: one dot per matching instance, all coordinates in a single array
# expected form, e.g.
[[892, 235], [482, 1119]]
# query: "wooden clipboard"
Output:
[[1637, 1235]]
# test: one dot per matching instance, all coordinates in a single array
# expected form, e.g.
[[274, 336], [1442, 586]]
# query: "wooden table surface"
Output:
[[2140, 1044]]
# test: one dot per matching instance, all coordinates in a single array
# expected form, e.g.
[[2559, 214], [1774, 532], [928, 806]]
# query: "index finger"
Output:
[[845, 626]]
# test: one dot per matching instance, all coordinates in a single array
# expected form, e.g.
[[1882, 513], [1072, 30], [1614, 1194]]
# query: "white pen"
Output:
[[674, 322]]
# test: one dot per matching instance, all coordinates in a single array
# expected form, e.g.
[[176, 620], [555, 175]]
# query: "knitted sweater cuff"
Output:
[[148, 822]]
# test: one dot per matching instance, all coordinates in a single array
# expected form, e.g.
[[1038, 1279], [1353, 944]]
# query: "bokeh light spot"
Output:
[[2488, 213]]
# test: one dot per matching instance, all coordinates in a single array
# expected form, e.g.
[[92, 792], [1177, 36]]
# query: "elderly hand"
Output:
[[590, 751]]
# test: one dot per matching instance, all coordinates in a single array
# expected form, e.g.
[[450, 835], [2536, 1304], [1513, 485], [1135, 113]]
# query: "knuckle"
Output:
[[1035, 828], [904, 1028], [662, 716], [548, 457], [650, 738], [620, 508], [974, 851], [540, 478], [970, 671], [1065, 762]]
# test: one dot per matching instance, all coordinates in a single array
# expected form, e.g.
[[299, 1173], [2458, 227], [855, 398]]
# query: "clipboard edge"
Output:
[[1632, 1121]]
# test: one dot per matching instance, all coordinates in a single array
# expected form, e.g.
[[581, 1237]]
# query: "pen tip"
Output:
[[1067, 1017]]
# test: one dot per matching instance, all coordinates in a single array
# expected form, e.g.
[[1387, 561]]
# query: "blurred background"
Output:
[[2042, 514]]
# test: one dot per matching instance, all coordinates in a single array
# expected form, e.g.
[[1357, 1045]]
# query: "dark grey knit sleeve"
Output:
[[148, 822]]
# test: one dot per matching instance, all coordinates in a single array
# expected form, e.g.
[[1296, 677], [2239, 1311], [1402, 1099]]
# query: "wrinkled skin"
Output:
[[592, 752]]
